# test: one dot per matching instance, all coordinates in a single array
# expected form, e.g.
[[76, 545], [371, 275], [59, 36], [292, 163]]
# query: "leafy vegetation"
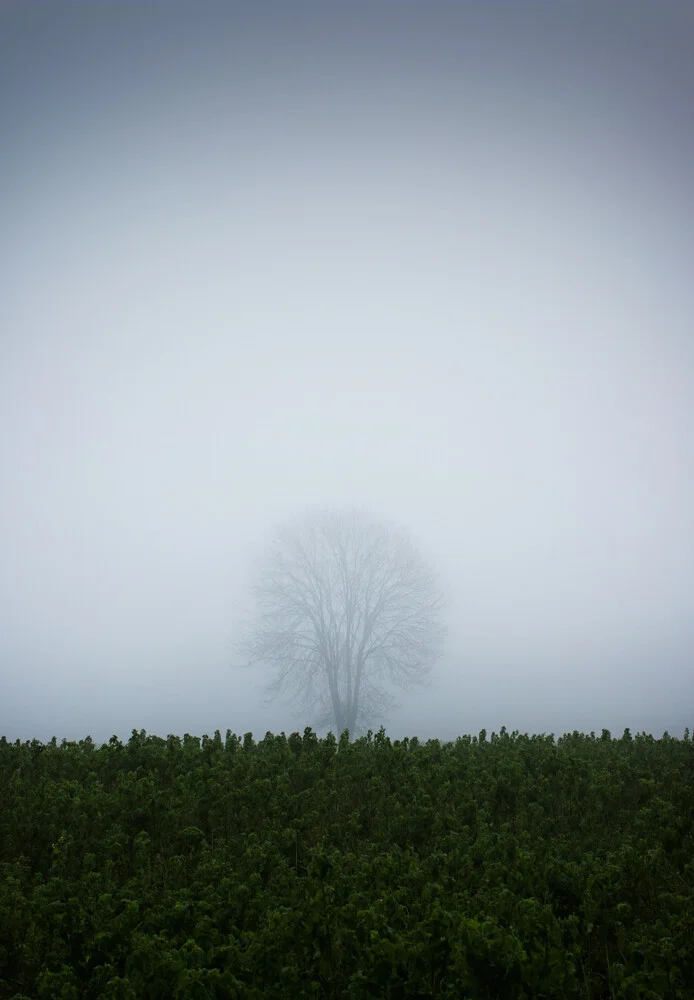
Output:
[[507, 867]]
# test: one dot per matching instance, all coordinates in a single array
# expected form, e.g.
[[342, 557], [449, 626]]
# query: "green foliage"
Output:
[[493, 867]]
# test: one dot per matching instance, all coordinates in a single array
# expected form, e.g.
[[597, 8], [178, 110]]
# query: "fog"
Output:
[[434, 260]]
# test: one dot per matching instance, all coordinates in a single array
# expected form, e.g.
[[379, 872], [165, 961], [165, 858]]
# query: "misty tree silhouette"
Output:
[[345, 606]]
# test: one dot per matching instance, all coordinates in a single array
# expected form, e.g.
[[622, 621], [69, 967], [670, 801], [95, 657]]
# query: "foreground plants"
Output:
[[507, 867]]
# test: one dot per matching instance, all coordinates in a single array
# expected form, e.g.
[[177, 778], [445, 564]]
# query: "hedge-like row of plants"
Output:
[[511, 867]]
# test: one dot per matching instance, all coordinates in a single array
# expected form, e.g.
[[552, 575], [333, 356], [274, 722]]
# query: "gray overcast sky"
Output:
[[431, 259]]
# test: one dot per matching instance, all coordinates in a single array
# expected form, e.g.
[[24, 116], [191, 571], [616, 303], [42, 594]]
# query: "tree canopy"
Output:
[[345, 608]]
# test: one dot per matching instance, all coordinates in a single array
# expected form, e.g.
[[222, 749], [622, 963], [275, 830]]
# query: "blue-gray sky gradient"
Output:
[[431, 259]]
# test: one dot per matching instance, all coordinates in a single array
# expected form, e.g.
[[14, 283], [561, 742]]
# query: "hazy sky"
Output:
[[432, 259]]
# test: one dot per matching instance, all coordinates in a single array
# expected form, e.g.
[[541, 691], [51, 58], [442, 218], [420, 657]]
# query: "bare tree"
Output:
[[344, 605]]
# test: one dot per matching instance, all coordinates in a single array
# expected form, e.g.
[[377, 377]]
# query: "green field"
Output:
[[504, 867]]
